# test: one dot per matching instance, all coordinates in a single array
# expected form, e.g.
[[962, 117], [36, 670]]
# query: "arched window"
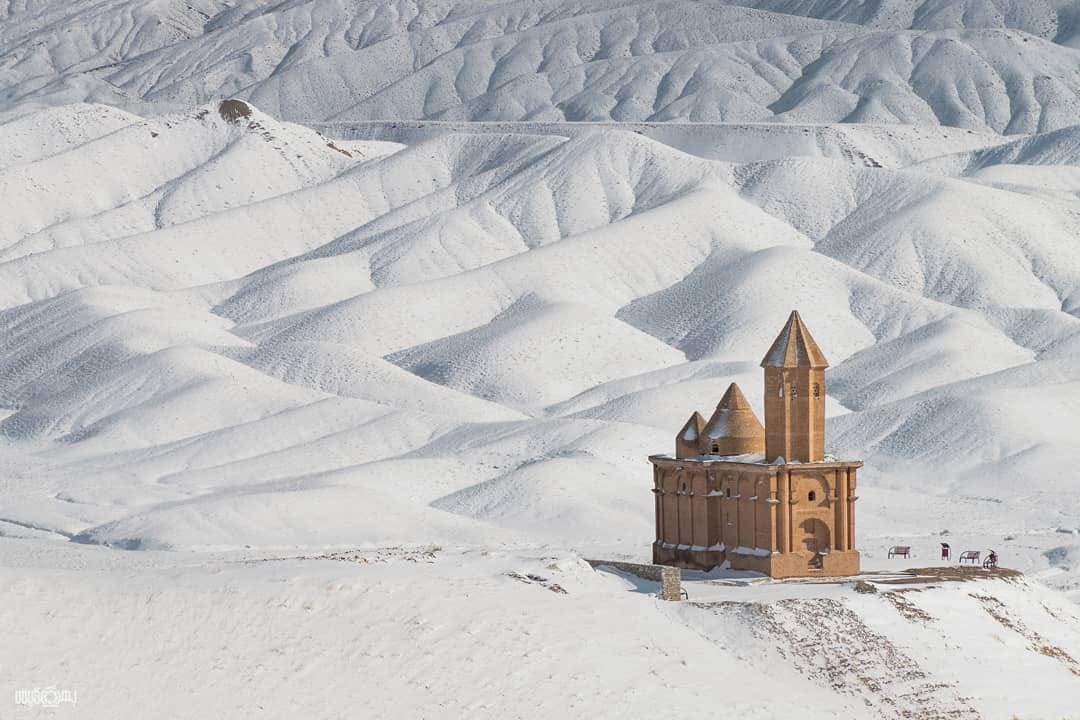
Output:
[[811, 497], [728, 492]]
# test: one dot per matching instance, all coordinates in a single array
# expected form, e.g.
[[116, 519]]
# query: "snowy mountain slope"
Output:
[[1007, 66], [39, 135], [886, 225], [177, 188], [1050, 19], [871, 145], [1055, 148], [260, 307], [1008, 82], [48, 46]]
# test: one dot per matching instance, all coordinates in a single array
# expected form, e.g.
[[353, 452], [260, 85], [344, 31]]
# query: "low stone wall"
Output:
[[670, 578]]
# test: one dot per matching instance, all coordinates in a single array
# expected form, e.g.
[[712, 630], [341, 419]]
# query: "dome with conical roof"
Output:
[[688, 441], [733, 429]]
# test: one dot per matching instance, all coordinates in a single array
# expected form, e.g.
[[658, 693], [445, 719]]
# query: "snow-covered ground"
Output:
[[439, 633], [290, 414]]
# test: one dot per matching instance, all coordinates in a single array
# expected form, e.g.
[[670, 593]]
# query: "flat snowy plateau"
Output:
[[316, 408]]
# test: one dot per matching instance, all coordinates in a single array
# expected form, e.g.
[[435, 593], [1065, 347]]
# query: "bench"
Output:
[[972, 555], [900, 551]]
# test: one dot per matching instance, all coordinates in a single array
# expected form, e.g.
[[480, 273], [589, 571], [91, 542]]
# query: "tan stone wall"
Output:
[[699, 509], [794, 414], [756, 516], [834, 564], [812, 513], [687, 448], [669, 506]]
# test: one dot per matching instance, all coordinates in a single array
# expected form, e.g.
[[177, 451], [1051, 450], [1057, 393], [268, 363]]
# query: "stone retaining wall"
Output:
[[670, 578]]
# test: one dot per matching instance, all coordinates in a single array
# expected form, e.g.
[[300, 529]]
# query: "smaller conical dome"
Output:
[[733, 429], [688, 441]]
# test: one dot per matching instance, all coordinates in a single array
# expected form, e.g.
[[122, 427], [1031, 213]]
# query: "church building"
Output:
[[767, 498]]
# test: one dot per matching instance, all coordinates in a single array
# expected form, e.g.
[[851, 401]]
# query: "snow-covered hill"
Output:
[[1003, 64], [237, 305], [1054, 20]]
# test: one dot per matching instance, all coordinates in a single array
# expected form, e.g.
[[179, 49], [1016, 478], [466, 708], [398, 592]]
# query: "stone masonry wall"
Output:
[[670, 578]]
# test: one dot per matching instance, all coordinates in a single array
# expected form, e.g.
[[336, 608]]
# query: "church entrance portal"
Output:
[[815, 539]]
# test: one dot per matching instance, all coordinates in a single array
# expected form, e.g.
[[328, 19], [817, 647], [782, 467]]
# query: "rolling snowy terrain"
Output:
[[1009, 65], [350, 371]]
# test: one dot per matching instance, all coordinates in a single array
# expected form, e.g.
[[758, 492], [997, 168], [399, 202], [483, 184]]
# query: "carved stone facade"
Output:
[[763, 499]]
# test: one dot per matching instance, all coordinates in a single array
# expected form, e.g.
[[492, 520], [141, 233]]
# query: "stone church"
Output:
[[767, 498]]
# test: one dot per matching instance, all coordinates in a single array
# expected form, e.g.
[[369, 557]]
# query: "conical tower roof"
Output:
[[734, 429], [794, 347], [734, 399], [693, 428], [688, 441]]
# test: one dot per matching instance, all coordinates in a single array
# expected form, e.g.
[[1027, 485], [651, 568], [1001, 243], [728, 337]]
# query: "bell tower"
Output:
[[794, 396]]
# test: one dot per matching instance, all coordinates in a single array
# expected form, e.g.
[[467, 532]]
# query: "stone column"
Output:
[[657, 490], [783, 494], [714, 510], [684, 483], [671, 583], [753, 515], [850, 501], [730, 536], [790, 516], [737, 499], [677, 500], [772, 517], [691, 507], [841, 493]]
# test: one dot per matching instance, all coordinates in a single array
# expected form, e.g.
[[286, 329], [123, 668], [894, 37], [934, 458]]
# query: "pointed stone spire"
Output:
[[688, 441], [794, 396], [794, 347], [733, 429]]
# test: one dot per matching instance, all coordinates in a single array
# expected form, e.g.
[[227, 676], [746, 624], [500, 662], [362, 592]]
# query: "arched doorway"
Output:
[[815, 539]]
